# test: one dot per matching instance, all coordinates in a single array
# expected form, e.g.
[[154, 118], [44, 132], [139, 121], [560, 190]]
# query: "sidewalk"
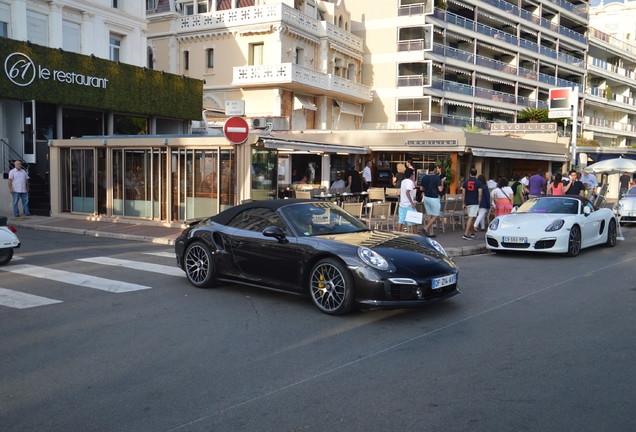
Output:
[[157, 233]]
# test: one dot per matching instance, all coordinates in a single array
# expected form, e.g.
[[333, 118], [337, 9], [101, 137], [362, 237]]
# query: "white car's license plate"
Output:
[[515, 240], [444, 281]]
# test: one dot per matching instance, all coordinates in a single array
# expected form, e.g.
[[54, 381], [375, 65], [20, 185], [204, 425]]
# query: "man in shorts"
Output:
[[431, 185], [471, 196], [407, 199]]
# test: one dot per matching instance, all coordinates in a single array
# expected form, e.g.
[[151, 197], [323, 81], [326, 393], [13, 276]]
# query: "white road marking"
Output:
[[20, 300], [136, 265], [162, 254], [74, 278]]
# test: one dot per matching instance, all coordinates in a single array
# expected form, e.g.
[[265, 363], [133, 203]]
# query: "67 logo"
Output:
[[20, 69]]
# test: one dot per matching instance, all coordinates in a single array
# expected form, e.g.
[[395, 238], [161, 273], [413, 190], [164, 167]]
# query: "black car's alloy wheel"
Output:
[[611, 234], [199, 265], [5, 255], [331, 287], [574, 241]]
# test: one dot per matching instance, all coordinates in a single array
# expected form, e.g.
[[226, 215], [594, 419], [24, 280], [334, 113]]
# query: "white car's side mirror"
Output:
[[587, 211]]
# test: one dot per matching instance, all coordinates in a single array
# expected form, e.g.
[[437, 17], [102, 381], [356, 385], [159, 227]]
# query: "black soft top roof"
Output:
[[227, 215]]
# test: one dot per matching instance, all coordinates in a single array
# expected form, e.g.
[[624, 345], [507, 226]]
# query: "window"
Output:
[[37, 28], [414, 110], [151, 4], [256, 219], [115, 47], [5, 18], [300, 56], [151, 59], [256, 54], [71, 37], [186, 60], [116, 4], [210, 57]]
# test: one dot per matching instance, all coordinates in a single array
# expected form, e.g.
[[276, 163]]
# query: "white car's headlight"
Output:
[[494, 225], [556, 225], [373, 258]]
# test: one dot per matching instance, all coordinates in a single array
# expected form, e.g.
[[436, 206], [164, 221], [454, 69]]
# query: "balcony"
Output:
[[294, 77], [274, 13]]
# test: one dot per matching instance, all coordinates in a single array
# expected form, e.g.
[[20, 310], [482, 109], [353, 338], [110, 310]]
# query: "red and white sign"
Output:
[[236, 130]]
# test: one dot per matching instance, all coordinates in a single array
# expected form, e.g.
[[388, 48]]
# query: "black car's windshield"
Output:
[[552, 205], [318, 218]]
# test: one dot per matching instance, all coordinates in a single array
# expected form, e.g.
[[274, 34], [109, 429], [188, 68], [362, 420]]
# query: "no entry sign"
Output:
[[236, 130]]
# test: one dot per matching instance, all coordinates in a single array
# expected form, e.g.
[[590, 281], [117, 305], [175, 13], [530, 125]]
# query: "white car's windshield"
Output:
[[631, 192], [551, 205]]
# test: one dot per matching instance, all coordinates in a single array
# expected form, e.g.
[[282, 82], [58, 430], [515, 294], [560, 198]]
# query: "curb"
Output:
[[102, 234]]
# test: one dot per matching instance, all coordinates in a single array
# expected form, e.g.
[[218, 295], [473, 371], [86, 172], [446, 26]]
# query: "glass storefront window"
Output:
[[82, 181], [264, 173]]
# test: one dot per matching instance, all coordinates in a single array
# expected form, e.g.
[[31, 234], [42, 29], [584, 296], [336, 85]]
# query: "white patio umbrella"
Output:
[[613, 166]]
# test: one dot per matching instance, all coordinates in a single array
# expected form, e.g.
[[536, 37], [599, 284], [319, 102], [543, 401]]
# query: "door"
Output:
[[28, 131]]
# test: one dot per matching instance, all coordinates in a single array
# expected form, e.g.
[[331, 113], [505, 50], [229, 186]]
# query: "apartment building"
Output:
[[458, 64], [73, 68]]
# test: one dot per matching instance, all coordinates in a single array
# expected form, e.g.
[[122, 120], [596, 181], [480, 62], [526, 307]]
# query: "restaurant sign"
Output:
[[431, 142], [523, 127]]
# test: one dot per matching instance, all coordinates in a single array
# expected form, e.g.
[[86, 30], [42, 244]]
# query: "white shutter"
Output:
[[37, 28], [71, 37]]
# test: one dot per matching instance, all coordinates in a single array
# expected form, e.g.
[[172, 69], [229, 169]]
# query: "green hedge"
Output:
[[129, 89]]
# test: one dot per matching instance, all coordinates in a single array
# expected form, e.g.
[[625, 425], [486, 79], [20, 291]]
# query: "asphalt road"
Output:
[[533, 343]]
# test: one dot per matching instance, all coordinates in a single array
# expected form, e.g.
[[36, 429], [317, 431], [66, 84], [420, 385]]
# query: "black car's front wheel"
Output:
[[574, 241], [199, 265], [331, 287]]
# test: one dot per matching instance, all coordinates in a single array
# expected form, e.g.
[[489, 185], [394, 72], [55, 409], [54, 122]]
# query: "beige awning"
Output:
[[510, 154], [274, 143], [303, 102], [349, 108]]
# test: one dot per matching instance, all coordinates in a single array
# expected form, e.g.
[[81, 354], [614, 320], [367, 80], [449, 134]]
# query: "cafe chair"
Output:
[[380, 216], [303, 194], [354, 208]]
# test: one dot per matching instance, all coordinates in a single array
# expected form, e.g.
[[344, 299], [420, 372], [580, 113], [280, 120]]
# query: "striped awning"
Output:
[[493, 79], [461, 104], [494, 109]]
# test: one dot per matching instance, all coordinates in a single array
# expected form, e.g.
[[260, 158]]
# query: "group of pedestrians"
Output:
[[432, 187]]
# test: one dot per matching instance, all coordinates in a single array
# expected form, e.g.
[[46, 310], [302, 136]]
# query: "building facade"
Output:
[[76, 68]]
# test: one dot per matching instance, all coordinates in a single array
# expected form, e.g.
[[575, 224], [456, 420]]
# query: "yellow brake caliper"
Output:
[[321, 285]]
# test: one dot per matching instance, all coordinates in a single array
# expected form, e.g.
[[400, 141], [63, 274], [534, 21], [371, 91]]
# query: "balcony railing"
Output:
[[602, 64], [270, 13], [497, 65], [513, 9], [408, 116], [412, 80], [609, 124], [292, 74], [469, 24]]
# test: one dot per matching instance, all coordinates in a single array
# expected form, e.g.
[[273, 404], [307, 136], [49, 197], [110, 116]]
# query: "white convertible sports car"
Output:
[[626, 207], [553, 224]]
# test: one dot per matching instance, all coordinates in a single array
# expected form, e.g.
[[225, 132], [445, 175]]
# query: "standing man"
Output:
[[354, 182], [536, 184], [574, 186], [624, 184], [471, 197], [407, 199], [590, 183], [432, 186], [18, 188], [366, 175]]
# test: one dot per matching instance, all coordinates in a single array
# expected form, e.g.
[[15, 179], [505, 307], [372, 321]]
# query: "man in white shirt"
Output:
[[339, 183], [18, 188], [591, 184], [366, 175]]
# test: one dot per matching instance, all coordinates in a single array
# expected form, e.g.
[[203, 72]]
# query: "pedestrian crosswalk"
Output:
[[21, 300]]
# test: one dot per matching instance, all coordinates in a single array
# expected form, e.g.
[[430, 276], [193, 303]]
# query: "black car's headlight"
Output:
[[556, 225], [373, 258], [437, 246], [494, 225]]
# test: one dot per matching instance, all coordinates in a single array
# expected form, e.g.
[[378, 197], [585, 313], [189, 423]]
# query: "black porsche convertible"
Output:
[[318, 249]]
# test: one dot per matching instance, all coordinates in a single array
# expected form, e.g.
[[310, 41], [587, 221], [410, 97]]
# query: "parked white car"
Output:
[[626, 207], [553, 224], [8, 241]]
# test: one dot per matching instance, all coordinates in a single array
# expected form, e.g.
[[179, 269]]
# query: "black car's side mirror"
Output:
[[276, 232]]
